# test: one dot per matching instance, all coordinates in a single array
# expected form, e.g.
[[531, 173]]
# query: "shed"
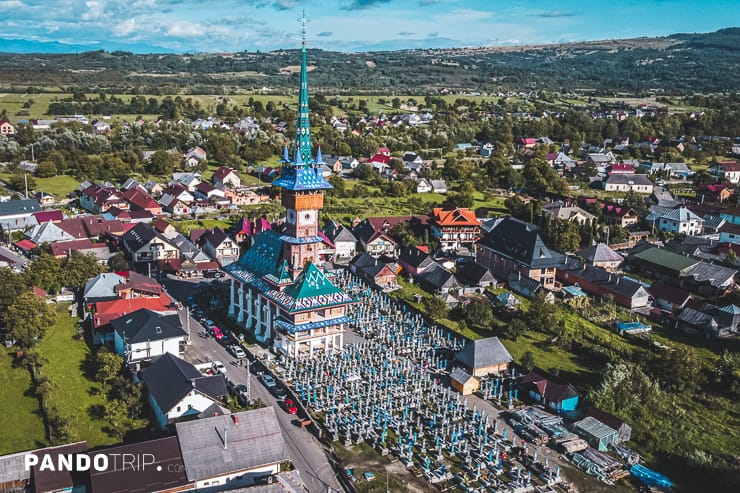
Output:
[[484, 357], [463, 382], [624, 430], [596, 433], [552, 391]]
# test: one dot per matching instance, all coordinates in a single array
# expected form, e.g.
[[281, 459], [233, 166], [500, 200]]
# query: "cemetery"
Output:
[[389, 388]]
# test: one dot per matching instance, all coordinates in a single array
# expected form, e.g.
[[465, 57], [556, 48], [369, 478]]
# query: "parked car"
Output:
[[268, 380], [219, 367], [280, 392], [237, 351], [290, 406], [217, 333]]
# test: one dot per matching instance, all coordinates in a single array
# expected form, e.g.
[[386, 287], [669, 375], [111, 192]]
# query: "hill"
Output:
[[676, 64]]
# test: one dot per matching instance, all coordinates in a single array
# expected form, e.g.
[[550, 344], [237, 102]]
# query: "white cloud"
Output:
[[125, 28], [95, 10]]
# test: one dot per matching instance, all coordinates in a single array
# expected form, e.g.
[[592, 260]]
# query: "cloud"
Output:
[[363, 4], [124, 28], [324, 34], [95, 10], [554, 13], [433, 35], [11, 4], [284, 4], [424, 3], [406, 33]]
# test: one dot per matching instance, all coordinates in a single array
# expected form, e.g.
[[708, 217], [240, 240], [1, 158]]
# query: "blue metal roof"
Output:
[[293, 328], [301, 177]]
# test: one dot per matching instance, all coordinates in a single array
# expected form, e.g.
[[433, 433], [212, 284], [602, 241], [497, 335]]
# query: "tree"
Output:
[[339, 189], [435, 307], [45, 386], [731, 257], [541, 314], [78, 268], [515, 329], [107, 366], [28, 319], [161, 163], [478, 314], [528, 360], [44, 272], [118, 262], [47, 169], [11, 286], [19, 182], [116, 416]]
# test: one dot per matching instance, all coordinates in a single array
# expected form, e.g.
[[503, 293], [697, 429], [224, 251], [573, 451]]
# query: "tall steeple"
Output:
[[300, 173], [303, 121]]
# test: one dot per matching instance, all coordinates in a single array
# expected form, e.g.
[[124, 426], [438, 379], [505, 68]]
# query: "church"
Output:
[[278, 292]]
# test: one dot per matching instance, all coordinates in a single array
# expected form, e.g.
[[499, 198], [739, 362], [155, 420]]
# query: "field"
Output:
[[76, 397], [23, 428]]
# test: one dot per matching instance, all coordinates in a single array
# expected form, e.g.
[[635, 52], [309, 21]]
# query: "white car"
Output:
[[219, 367], [237, 351]]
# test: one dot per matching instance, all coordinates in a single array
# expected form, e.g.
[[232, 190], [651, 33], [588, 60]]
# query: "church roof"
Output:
[[297, 177]]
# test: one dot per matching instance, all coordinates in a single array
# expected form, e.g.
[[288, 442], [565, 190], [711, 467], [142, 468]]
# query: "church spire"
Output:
[[302, 142]]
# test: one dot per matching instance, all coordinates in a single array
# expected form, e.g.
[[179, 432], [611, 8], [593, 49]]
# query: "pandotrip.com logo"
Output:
[[93, 462]]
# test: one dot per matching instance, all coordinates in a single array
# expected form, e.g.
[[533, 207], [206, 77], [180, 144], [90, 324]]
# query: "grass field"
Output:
[[75, 395], [23, 428]]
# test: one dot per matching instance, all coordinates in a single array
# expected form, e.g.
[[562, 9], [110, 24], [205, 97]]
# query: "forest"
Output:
[[678, 64]]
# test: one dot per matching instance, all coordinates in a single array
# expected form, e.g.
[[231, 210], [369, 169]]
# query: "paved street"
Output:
[[308, 454]]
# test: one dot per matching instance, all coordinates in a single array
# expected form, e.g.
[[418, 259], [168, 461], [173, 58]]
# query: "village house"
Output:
[[6, 128], [194, 157], [726, 170], [226, 177], [145, 334], [627, 183], [145, 244], [176, 389], [423, 186], [248, 444], [166, 474], [516, 246], [600, 255], [473, 274], [177, 200], [681, 221], [729, 233], [599, 282], [218, 246], [564, 212], [714, 192], [188, 180], [614, 214], [436, 279], [141, 201], [18, 214], [553, 392], [706, 278], [381, 274], [345, 243], [415, 261], [98, 199], [457, 229], [710, 321], [372, 235]]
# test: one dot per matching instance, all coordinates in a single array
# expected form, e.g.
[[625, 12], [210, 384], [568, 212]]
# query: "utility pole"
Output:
[[249, 383], [25, 180]]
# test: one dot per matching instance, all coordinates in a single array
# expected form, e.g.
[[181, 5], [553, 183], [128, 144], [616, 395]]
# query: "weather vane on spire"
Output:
[[303, 20]]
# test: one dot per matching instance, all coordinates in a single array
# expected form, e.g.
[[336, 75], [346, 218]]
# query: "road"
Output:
[[308, 454]]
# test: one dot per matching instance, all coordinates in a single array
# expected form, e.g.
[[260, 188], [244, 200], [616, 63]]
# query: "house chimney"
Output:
[[236, 419]]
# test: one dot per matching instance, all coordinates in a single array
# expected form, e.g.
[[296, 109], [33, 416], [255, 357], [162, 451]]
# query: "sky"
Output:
[[150, 26]]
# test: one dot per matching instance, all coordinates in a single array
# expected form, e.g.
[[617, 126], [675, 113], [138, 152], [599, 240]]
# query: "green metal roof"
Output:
[[312, 282], [263, 257], [281, 276], [664, 258]]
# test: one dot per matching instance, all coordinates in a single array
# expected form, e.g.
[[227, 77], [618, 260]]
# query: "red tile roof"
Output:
[[25, 245], [105, 311], [62, 248], [46, 216], [455, 217]]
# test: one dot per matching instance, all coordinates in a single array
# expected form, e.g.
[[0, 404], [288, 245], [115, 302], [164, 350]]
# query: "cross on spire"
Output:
[[302, 21]]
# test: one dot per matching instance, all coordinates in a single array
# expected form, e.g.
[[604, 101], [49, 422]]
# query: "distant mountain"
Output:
[[677, 64], [29, 46]]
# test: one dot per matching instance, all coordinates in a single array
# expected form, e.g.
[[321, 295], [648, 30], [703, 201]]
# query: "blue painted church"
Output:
[[277, 291]]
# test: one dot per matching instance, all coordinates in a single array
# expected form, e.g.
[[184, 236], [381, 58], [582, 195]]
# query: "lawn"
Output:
[[75, 395], [22, 427]]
